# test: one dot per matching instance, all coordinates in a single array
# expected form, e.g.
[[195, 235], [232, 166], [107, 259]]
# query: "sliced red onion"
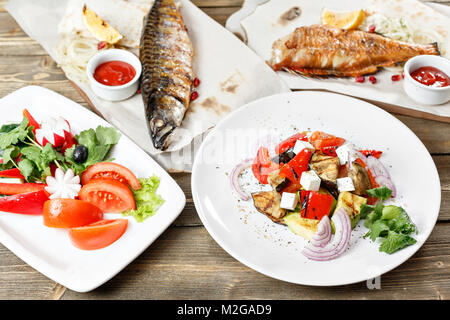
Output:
[[234, 178], [380, 174], [323, 233], [340, 241]]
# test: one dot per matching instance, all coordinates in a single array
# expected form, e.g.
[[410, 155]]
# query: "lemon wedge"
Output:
[[343, 19], [99, 28]]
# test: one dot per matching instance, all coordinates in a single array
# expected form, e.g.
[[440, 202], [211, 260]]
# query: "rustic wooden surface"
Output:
[[185, 262]]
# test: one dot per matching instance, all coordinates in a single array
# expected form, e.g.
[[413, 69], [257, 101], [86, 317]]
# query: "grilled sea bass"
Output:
[[320, 50], [166, 55]]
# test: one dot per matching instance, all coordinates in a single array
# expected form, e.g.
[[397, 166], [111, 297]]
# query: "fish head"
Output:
[[166, 114]]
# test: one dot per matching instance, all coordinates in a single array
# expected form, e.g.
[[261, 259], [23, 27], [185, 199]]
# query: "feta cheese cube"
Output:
[[345, 184], [300, 145], [344, 151], [310, 180], [289, 200]]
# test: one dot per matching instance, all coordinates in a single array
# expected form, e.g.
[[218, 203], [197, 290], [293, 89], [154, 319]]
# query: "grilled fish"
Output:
[[320, 50], [166, 54]]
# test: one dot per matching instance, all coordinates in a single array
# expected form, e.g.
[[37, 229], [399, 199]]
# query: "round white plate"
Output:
[[272, 249]]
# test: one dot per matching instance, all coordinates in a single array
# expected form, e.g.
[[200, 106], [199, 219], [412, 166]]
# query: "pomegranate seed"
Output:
[[138, 91], [395, 77], [403, 75], [101, 45], [372, 28], [196, 82], [373, 79], [194, 95], [360, 79]]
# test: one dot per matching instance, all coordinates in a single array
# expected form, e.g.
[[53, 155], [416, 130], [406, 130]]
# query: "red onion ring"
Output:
[[380, 174], [234, 178], [338, 245], [323, 233]]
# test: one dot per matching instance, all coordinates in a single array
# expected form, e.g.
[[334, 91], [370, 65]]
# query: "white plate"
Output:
[[272, 249], [49, 250]]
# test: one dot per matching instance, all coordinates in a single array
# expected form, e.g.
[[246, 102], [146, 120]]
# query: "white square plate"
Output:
[[49, 250]]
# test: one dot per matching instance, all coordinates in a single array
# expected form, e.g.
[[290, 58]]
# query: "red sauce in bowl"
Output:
[[431, 76], [114, 73]]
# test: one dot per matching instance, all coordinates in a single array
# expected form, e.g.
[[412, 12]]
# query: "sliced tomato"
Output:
[[293, 169], [31, 121], [24, 203], [111, 170], [17, 188], [98, 234], [322, 140], [263, 165], [289, 142], [374, 153], [108, 194], [70, 213]]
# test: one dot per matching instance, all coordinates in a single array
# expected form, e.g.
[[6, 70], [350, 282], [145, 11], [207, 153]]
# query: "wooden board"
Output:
[[185, 262]]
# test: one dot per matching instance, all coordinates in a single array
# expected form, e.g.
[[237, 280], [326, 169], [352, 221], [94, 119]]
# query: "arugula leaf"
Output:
[[147, 201], [396, 241], [382, 193]]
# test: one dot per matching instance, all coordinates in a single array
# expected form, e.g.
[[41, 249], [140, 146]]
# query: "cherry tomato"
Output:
[[98, 234], [321, 140], [111, 170], [108, 194], [70, 213]]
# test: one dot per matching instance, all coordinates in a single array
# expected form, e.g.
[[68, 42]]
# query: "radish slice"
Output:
[[234, 178], [54, 131], [319, 251]]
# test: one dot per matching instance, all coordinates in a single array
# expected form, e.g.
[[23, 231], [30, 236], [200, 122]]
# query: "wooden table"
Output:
[[185, 262]]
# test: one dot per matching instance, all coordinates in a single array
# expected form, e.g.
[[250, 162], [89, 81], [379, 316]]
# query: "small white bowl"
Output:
[[114, 93], [420, 92]]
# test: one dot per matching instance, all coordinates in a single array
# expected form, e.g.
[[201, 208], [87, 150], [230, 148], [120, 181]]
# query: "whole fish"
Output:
[[320, 50], [166, 54]]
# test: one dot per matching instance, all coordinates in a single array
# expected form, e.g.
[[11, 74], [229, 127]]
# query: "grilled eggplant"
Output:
[[326, 167], [268, 202]]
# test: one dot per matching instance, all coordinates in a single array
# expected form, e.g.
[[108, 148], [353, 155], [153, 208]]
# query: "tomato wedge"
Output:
[[322, 140], [16, 188], [24, 203], [70, 213], [108, 194], [98, 234], [111, 170]]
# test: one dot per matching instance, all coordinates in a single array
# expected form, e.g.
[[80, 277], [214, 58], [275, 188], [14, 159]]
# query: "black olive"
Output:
[[80, 154]]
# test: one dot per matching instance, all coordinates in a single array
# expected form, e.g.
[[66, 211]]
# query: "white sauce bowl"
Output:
[[114, 93], [420, 92]]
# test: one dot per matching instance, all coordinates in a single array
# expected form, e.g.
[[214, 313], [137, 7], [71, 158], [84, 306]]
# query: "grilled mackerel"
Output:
[[166, 55]]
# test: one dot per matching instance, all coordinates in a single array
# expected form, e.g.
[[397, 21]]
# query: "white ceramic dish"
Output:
[[49, 250], [272, 249], [420, 92], [114, 93]]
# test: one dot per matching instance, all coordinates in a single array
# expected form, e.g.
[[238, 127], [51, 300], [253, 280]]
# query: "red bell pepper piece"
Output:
[[263, 165], [374, 153], [289, 142], [11, 173], [293, 169], [16, 188], [24, 203], [315, 205], [31, 120]]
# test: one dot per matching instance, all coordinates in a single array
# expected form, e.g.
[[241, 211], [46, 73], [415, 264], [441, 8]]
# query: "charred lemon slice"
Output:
[[343, 19], [99, 28]]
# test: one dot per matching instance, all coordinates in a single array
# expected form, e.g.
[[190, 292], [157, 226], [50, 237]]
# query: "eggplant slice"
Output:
[[360, 178], [326, 167], [268, 202]]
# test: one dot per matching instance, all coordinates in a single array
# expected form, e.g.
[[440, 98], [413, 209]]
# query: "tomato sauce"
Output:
[[431, 76], [114, 73]]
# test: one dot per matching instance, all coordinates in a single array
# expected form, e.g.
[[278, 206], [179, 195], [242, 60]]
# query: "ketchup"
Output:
[[114, 73], [430, 76]]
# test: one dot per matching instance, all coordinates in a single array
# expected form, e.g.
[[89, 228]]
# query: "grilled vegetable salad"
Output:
[[70, 180], [323, 185]]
